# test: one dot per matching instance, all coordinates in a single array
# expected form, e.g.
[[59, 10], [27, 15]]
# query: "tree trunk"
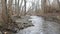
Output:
[[43, 5], [17, 7], [10, 7], [24, 7], [4, 11], [20, 7], [58, 3]]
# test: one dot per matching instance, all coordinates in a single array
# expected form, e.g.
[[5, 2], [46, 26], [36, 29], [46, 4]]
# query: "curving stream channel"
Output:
[[41, 26]]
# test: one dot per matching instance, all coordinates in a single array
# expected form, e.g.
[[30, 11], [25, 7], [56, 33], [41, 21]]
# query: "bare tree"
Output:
[[58, 3], [4, 11], [10, 11], [15, 6], [17, 9], [24, 7], [43, 2], [10, 7], [20, 7]]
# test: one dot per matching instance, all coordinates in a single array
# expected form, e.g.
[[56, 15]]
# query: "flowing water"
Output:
[[41, 27]]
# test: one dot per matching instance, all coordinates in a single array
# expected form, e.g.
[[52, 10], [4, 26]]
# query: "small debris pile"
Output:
[[24, 22]]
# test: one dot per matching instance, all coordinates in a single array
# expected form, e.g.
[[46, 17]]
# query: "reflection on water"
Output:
[[41, 27]]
